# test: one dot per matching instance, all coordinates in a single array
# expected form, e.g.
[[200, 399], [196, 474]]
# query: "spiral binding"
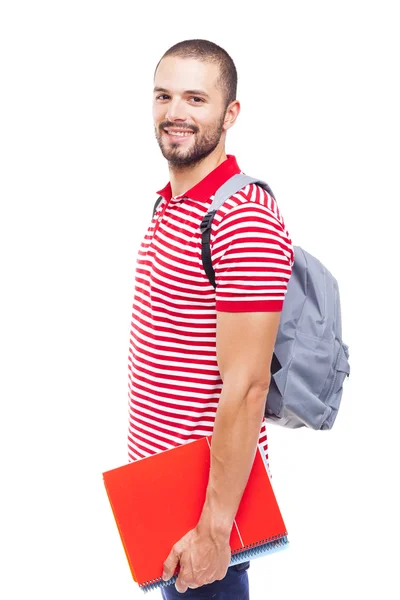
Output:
[[273, 544]]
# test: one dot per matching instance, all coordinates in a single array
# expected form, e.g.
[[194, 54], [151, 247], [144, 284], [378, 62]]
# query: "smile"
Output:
[[178, 133]]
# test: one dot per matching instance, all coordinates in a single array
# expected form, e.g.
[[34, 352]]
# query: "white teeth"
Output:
[[179, 133]]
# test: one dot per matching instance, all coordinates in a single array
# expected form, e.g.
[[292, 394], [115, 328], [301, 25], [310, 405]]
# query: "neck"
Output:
[[185, 178]]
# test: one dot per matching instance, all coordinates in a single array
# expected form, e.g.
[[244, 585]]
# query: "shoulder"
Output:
[[250, 202], [245, 215]]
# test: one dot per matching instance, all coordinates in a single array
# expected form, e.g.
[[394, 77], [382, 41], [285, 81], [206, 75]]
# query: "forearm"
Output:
[[233, 448]]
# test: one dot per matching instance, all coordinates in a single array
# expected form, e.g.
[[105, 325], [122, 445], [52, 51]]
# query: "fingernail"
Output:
[[165, 576]]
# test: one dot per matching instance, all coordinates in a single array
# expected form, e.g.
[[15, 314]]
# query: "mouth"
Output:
[[178, 135]]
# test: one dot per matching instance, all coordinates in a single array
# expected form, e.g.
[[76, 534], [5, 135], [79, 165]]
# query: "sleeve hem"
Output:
[[249, 306]]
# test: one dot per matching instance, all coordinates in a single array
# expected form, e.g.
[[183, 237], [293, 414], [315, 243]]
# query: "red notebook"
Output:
[[156, 500]]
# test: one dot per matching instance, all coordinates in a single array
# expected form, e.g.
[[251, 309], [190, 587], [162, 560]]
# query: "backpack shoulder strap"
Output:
[[233, 185], [156, 204], [230, 187]]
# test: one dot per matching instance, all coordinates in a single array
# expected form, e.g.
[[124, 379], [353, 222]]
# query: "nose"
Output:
[[176, 110]]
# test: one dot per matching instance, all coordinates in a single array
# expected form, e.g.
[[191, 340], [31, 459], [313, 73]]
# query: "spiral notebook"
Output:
[[156, 500]]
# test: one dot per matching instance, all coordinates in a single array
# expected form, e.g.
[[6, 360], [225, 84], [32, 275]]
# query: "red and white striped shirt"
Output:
[[174, 381]]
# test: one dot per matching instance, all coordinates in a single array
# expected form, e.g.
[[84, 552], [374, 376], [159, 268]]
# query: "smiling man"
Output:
[[199, 357]]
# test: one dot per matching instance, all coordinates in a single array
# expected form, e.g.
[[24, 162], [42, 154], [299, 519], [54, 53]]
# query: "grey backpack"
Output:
[[310, 360]]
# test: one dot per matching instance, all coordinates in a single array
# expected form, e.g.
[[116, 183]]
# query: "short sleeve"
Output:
[[252, 256]]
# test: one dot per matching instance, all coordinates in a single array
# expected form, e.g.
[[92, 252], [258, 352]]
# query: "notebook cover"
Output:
[[156, 500]]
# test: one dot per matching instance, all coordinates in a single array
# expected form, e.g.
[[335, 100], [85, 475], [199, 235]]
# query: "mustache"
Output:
[[166, 124]]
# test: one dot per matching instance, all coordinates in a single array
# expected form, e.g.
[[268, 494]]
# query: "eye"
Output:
[[196, 99], [162, 97]]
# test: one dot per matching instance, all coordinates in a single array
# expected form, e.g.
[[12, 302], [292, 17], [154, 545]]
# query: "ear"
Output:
[[231, 114]]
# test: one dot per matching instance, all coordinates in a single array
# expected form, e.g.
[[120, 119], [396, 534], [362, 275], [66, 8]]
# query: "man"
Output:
[[199, 357]]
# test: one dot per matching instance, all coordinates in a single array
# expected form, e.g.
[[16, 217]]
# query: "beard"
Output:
[[204, 143]]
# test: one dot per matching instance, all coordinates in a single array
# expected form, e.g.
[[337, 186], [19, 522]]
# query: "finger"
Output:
[[181, 585], [170, 564]]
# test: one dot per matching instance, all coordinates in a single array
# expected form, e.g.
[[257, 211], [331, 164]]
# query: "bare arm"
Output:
[[245, 344]]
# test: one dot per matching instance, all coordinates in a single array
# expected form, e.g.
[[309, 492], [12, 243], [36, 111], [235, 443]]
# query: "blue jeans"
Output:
[[234, 586]]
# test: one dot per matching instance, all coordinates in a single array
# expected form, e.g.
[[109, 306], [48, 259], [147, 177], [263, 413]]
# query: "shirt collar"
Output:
[[202, 191]]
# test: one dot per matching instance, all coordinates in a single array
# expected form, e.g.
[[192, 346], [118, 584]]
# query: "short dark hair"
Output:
[[207, 51]]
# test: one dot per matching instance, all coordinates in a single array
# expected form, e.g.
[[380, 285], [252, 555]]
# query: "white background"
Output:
[[318, 83]]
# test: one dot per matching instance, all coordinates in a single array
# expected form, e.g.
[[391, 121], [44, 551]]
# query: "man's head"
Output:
[[194, 101]]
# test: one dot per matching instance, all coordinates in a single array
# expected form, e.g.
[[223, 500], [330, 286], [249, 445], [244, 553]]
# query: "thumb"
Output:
[[170, 564]]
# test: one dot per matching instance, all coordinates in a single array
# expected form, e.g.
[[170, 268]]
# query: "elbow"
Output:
[[250, 389], [258, 390]]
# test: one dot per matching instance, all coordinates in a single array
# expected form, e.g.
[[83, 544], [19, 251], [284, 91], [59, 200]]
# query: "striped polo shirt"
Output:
[[174, 382]]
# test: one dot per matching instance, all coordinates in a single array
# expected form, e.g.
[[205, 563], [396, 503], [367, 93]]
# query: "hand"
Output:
[[203, 557]]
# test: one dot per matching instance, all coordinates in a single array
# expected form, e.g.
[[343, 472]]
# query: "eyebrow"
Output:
[[191, 92]]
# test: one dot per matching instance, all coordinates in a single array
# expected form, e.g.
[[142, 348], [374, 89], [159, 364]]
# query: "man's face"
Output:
[[188, 110]]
